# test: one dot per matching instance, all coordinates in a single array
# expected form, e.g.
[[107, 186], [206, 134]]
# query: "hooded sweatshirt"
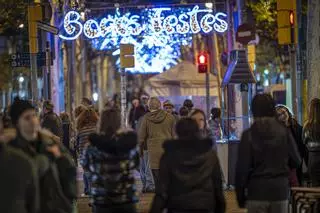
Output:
[[156, 127], [190, 178], [267, 152]]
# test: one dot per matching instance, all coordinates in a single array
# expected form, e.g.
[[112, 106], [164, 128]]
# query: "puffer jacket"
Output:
[[190, 178], [110, 165], [156, 127]]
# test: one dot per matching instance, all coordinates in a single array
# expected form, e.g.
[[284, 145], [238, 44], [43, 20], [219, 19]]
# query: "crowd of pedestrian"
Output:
[[175, 152]]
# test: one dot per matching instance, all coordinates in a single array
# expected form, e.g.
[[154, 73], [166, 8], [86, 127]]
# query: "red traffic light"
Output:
[[202, 58], [203, 63], [291, 18]]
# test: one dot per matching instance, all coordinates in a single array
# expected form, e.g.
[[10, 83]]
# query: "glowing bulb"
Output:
[[95, 96], [209, 5], [21, 79], [21, 26], [202, 59], [83, 15]]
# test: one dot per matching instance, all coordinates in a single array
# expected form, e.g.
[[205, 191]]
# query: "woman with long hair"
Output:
[[311, 138], [285, 116], [86, 124]]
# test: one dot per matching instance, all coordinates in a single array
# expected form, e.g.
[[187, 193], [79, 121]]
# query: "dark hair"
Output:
[[197, 111], [187, 128], [188, 103], [215, 113], [263, 105], [184, 111], [86, 101]]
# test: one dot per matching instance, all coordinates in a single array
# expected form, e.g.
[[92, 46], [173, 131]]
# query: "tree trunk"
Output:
[[313, 49]]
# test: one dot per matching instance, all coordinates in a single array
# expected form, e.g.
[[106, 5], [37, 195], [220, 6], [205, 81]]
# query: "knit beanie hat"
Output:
[[18, 108], [167, 103]]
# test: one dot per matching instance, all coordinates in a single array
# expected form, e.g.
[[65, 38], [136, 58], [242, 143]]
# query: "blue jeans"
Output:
[[145, 172], [86, 183]]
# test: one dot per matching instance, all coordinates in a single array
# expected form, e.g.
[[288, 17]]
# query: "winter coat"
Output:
[[134, 115], [267, 152], [110, 121], [52, 122], [156, 127], [110, 165], [57, 177], [312, 143], [83, 139], [18, 182], [190, 178]]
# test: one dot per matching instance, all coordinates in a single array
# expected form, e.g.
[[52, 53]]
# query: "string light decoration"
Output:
[[157, 33]]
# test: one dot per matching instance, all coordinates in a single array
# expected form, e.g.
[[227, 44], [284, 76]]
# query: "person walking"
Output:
[[136, 112], [156, 127], [190, 174], [183, 112], [200, 117], [311, 138], [215, 124], [22, 184], [110, 119], [51, 121], [188, 104], [169, 108], [55, 168], [110, 163], [86, 124], [68, 131], [285, 116], [266, 154]]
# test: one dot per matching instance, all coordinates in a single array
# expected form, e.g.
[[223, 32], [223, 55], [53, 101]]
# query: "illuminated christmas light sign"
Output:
[[156, 33], [195, 21]]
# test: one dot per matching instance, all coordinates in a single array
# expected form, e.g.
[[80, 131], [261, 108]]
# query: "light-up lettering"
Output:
[[195, 21], [91, 29], [206, 22], [169, 24], [220, 25], [184, 28], [72, 18]]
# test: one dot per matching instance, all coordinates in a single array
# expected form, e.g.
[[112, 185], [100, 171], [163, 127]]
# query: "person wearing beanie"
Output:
[[169, 108], [189, 104], [56, 170], [266, 154], [51, 121]]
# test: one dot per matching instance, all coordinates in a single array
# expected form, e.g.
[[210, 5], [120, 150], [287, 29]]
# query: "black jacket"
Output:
[[134, 115], [57, 177], [267, 151], [18, 182], [190, 178], [52, 122], [312, 142]]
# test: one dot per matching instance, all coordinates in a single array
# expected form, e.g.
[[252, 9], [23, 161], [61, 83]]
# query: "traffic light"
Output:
[[287, 22], [203, 62]]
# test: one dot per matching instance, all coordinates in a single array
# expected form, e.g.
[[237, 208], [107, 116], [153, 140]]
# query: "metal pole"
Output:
[[123, 98], [34, 77], [48, 70], [293, 65], [208, 94]]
